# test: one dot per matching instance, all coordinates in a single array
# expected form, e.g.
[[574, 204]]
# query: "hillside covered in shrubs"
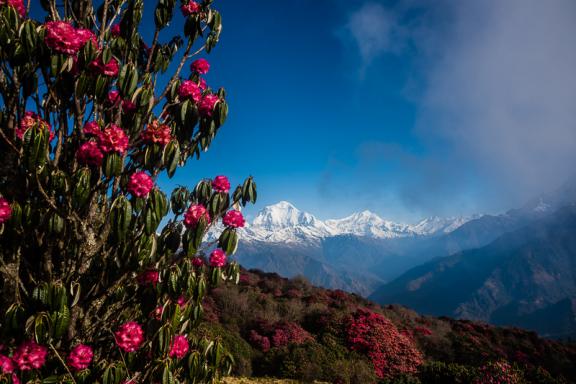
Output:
[[287, 328]]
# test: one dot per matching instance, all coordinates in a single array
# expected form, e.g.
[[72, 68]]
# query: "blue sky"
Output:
[[404, 108], [409, 108]]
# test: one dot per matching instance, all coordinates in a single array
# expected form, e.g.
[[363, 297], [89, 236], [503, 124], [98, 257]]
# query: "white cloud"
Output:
[[374, 31]]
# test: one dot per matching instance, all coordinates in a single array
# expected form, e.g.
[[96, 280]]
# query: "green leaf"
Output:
[[171, 157]]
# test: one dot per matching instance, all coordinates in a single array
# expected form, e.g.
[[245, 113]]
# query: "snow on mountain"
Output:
[[369, 224], [284, 223]]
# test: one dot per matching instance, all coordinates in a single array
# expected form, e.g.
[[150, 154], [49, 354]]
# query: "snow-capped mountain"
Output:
[[284, 223]]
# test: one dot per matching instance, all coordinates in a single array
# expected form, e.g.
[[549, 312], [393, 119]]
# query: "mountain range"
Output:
[[515, 268], [357, 253]]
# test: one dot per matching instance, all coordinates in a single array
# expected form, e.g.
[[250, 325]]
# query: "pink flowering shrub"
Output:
[[233, 219], [5, 210], [498, 372], [391, 352], [200, 66], [193, 215], [140, 184], [156, 133], [217, 258], [221, 184], [80, 357], [207, 104], [107, 272], [18, 5], [179, 347], [113, 139]]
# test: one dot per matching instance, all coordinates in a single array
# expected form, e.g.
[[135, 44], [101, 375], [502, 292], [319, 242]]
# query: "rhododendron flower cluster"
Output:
[[113, 139], [91, 128], [90, 154], [6, 364], [30, 355], [233, 219], [18, 5], [217, 258], [189, 90], [109, 69], [150, 276], [62, 37], [193, 215], [140, 184], [80, 357], [197, 261], [201, 66], [156, 133], [391, 352], [5, 210], [130, 336], [30, 120], [207, 104], [259, 341], [115, 30], [113, 97], [179, 347], [221, 184], [190, 8]]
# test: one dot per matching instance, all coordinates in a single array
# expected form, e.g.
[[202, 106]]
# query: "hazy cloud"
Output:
[[372, 30], [502, 91], [494, 82]]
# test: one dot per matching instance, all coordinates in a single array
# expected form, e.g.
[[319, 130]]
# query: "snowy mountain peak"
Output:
[[283, 222], [282, 215]]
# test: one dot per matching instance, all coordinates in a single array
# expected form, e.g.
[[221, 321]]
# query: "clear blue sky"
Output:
[[408, 108], [405, 108]]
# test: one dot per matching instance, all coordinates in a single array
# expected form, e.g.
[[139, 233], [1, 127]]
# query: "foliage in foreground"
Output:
[[89, 120], [337, 337]]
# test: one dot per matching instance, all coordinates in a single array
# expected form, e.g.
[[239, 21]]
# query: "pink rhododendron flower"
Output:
[[80, 357], [30, 120], [182, 301], [113, 97], [221, 184], [30, 355], [189, 90], [62, 37], [193, 215], [157, 312], [86, 35], [91, 128], [115, 30], [113, 139], [233, 219], [197, 261], [150, 276], [130, 336], [157, 133], [201, 66], [90, 154], [179, 347], [5, 210], [190, 8], [18, 5], [217, 258], [6, 364], [128, 106], [202, 84], [207, 104], [109, 69], [140, 184]]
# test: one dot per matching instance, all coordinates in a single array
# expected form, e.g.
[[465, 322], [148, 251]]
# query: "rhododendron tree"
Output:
[[94, 289], [391, 352]]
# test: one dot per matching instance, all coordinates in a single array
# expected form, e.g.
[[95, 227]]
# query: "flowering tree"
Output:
[[90, 118], [391, 352]]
